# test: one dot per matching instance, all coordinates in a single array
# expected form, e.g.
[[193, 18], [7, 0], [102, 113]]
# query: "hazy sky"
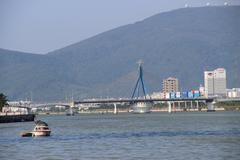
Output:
[[41, 26]]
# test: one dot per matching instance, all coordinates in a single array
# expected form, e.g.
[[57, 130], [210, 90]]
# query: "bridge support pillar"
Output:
[[72, 104], [115, 108], [211, 106], [197, 105], [169, 107], [174, 107]]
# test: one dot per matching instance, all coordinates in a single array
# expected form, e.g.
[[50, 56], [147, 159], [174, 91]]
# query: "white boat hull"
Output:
[[142, 107], [41, 133]]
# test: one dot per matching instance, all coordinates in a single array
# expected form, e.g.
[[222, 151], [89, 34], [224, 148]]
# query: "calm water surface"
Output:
[[127, 136]]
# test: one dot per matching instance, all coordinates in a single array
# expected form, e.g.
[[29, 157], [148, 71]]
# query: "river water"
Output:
[[198, 135]]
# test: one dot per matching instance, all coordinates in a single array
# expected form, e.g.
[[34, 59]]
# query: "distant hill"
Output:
[[181, 43]]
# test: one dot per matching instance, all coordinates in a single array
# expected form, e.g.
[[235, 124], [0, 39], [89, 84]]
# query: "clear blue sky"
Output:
[[41, 26]]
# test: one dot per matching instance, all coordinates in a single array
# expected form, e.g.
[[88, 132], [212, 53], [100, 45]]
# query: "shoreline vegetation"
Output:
[[229, 106]]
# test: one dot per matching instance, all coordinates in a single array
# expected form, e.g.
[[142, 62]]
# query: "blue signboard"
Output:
[[196, 94], [184, 94], [190, 94], [172, 95]]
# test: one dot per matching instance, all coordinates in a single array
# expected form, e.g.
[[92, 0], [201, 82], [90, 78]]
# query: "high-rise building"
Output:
[[215, 82], [170, 85]]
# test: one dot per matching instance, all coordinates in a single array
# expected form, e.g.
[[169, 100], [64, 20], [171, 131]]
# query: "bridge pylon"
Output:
[[72, 104], [169, 107], [211, 106], [115, 108]]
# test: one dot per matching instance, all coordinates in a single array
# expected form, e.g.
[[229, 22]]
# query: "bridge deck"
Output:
[[143, 100]]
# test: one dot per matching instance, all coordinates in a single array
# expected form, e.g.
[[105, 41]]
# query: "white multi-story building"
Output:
[[215, 82], [233, 93]]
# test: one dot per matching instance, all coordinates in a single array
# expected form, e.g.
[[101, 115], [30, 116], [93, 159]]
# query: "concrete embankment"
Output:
[[16, 118]]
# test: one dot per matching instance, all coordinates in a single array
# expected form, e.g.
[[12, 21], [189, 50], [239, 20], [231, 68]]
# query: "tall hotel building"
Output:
[[215, 82], [170, 85]]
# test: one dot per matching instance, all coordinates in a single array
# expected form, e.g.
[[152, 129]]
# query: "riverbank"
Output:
[[16, 118]]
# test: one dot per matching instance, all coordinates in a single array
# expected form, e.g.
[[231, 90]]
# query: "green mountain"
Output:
[[181, 43]]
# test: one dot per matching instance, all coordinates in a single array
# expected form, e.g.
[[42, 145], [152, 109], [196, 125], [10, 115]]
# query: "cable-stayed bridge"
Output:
[[209, 101], [136, 99]]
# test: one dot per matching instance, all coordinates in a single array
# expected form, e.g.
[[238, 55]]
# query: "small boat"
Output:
[[41, 129]]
